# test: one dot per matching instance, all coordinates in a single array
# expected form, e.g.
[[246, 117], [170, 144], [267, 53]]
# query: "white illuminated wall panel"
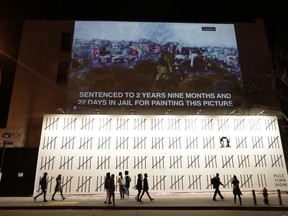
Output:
[[179, 153]]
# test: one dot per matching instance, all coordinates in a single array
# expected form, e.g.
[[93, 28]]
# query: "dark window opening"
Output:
[[65, 42], [62, 72]]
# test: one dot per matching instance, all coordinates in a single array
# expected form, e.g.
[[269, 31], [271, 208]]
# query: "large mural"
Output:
[[180, 153], [126, 64]]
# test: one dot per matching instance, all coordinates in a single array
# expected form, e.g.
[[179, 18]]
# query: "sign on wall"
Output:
[[154, 64]]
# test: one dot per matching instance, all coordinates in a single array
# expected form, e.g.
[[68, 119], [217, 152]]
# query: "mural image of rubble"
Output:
[[156, 63]]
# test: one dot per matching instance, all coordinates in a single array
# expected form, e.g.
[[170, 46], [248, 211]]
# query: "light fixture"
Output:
[[199, 112], [132, 111], [60, 110], [168, 111], [232, 112], [260, 112]]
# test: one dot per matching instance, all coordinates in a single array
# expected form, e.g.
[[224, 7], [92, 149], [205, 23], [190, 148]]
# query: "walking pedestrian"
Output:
[[58, 187], [139, 186], [215, 181], [145, 188], [43, 186]]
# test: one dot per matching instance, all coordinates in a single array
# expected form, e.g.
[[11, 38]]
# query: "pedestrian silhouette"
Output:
[[121, 183], [145, 188], [139, 186], [236, 189], [215, 181], [58, 187], [127, 183], [106, 186], [43, 186], [111, 186]]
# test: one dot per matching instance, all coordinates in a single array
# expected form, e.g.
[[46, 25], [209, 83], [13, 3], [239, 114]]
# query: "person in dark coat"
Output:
[[111, 188], [236, 189], [58, 187], [216, 184], [106, 186], [145, 188], [139, 186], [43, 185]]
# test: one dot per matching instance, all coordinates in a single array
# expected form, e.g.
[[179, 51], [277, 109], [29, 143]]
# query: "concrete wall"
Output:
[[35, 90]]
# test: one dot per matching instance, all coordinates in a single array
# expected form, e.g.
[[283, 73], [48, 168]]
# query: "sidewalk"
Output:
[[161, 202]]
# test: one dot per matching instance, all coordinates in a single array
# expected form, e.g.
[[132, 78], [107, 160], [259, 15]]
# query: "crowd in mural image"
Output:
[[166, 65], [127, 54], [123, 183]]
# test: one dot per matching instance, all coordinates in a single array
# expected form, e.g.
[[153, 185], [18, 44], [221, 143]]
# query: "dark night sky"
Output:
[[274, 16]]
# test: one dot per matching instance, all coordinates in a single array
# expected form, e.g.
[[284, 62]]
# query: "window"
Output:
[[65, 42], [62, 72]]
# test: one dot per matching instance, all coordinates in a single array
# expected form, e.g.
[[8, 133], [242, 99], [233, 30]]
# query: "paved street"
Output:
[[93, 212], [164, 204]]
